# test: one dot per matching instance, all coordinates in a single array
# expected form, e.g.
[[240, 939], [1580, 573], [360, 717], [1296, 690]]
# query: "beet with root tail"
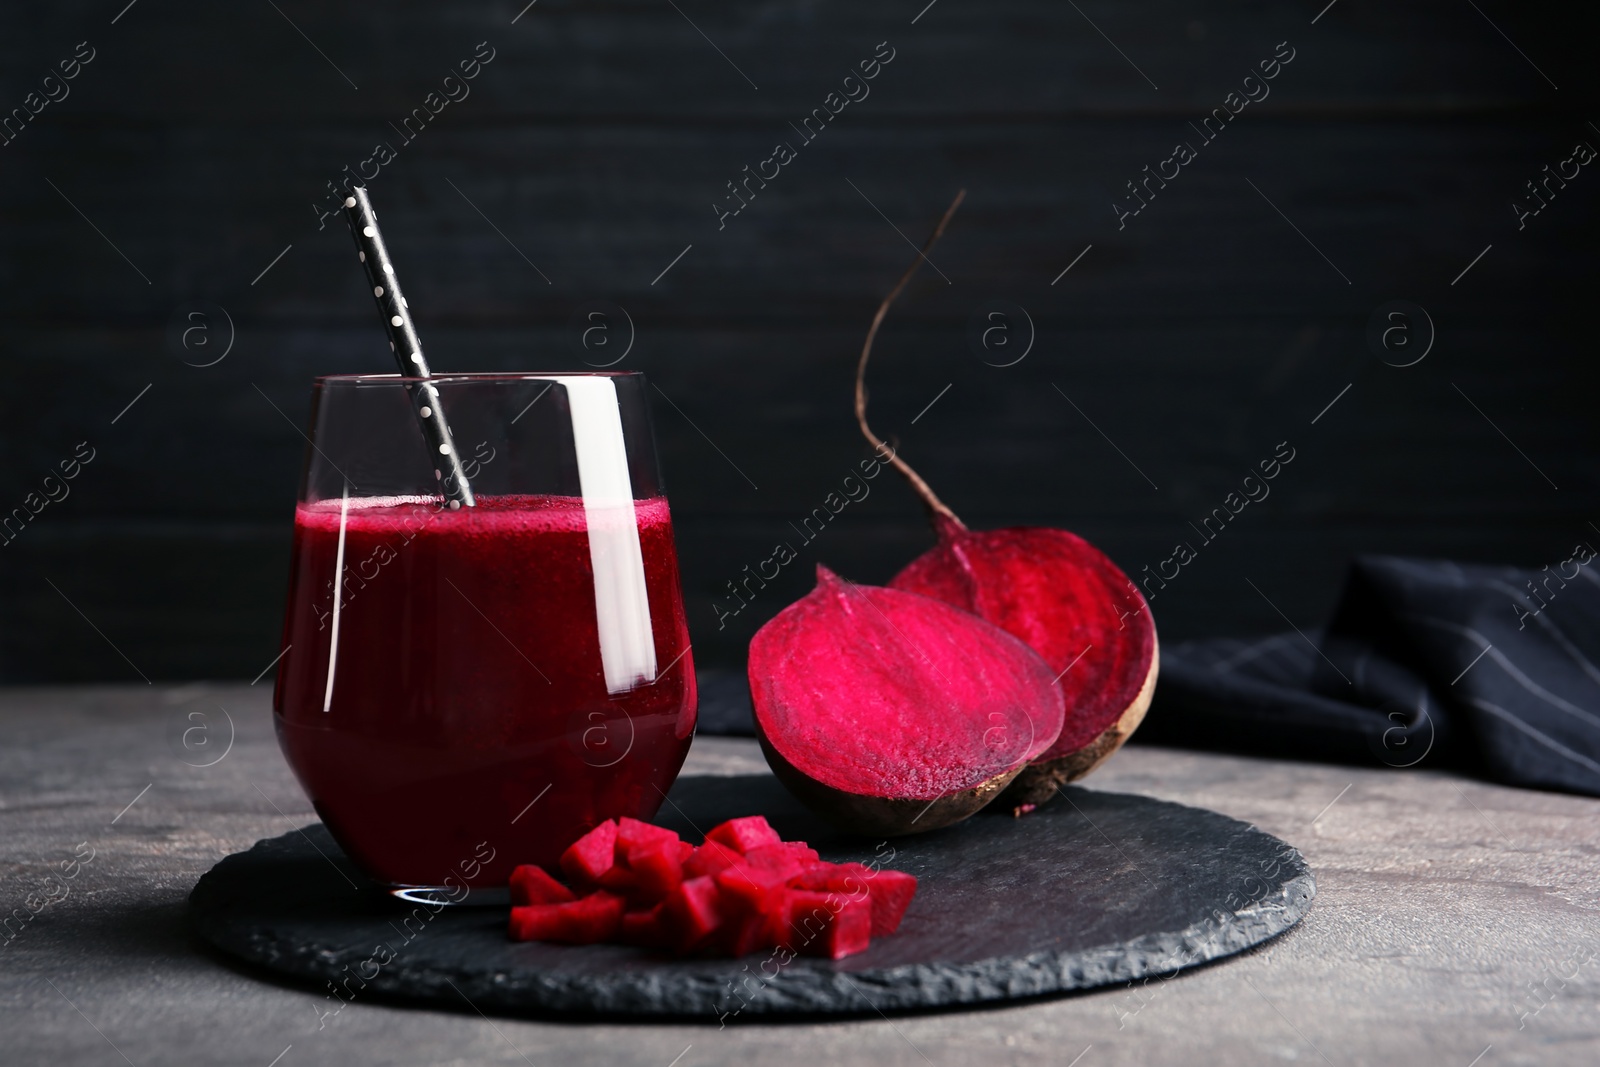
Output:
[[1051, 589]]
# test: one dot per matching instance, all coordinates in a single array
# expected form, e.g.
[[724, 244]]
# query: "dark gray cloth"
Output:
[[1425, 662]]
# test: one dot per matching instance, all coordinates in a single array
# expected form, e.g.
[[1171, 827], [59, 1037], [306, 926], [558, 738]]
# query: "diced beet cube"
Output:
[[742, 891], [827, 924], [890, 891], [777, 933], [833, 877], [656, 867], [744, 834], [531, 885], [693, 912], [585, 921], [590, 856], [644, 928], [891, 896], [636, 831], [532, 922], [751, 890], [850, 933], [756, 932], [848, 881], [755, 901], [621, 880], [786, 857], [631, 832], [710, 858]]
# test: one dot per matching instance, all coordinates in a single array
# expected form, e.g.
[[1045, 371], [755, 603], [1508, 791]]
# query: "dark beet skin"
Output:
[[893, 712], [1068, 602]]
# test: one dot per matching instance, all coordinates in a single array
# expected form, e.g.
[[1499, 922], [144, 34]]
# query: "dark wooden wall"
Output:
[[1195, 339]]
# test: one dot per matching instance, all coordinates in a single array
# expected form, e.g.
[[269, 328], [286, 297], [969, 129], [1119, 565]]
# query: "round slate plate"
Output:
[[1091, 889]]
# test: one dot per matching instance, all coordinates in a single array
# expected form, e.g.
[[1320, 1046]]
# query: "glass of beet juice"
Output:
[[470, 688]]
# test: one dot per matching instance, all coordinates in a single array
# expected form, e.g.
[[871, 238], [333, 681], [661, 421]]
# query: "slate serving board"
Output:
[[1089, 890]]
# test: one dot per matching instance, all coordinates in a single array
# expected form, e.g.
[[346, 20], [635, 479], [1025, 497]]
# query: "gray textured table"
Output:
[[1455, 922]]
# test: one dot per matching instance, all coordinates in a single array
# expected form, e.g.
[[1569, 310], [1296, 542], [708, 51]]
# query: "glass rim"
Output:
[[395, 378]]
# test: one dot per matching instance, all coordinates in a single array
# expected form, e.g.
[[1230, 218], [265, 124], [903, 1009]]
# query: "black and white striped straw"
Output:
[[406, 346]]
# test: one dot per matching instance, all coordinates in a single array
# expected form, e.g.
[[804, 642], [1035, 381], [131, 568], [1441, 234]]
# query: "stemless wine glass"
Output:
[[470, 688]]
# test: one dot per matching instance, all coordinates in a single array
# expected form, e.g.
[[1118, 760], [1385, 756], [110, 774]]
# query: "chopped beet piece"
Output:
[[644, 928], [693, 912], [590, 856], [657, 892], [586, 921], [656, 867], [890, 891], [751, 890], [709, 858], [891, 896], [828, 924], [532, 922], [744, 834], [621, 880], [755, 932], [848, 878], [531, 885], [786, 857], [631, 832]]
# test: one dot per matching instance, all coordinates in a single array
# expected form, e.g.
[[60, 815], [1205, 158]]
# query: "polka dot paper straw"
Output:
[[406, 346]]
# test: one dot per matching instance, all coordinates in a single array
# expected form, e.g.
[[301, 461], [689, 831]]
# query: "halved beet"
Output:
[[1073, 606], [890, 713], [1052, 589]]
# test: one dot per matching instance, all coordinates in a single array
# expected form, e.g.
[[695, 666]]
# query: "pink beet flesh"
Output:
[[591, 855], [883, 693], [1064, 598], [778, 893], [530, 884], [744, 834]]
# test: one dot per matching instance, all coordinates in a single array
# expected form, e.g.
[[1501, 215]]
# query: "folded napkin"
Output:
[[1425, 663]]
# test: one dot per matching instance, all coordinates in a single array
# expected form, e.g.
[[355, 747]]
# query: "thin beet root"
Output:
[[891, 713], [1049, 588]]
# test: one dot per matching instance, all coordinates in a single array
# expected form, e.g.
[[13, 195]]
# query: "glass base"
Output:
[[451, 896]]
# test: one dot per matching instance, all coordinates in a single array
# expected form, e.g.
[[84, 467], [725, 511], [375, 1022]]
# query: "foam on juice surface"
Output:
[[497, 515]]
